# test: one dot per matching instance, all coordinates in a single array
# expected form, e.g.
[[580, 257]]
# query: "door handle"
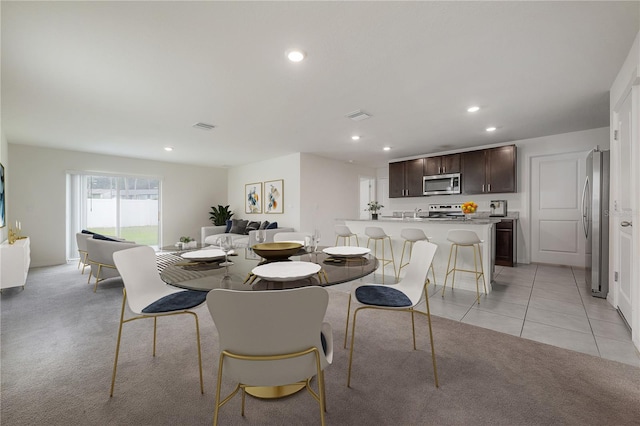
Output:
[[626, 223], [584, 208]]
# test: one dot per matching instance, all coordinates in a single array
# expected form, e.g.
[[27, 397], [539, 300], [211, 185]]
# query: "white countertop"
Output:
[[471, 221]]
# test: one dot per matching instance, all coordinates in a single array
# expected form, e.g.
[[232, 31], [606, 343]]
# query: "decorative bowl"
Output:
[[276, 251]]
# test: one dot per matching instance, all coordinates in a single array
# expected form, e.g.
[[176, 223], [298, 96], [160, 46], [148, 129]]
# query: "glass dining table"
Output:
[[185, 273]]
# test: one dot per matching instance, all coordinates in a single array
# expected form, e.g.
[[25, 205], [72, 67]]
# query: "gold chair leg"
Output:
[[433, 350], [115, 362], [346, 328], [95, 286], [393, 260], [475, 268], [402, 265], [413, 328], [218, 388], [195, 317], [455, 268], [321, 393], [433, 272], [484, 282], [155, 328], [353, 343], [85, 262], [446, 277]]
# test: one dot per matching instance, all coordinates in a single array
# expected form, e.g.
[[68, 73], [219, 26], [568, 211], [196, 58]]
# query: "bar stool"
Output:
[[343, 231], [376, 234], [465, 238], [411, 235]]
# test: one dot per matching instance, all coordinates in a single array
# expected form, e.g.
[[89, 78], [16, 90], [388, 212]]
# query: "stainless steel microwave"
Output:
[[441, 184]]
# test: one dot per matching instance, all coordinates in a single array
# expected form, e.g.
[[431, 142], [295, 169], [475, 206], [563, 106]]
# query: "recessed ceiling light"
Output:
[[490, 129], [355, 137], [387, 148], [295, 55], [168, 148], [473, 109]]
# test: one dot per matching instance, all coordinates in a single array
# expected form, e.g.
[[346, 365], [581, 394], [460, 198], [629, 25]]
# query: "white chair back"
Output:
[[139, 272], [295, 237], [343, 230], [413, 282], [375, 232], [463, 237], [269, 323], [413, 234]]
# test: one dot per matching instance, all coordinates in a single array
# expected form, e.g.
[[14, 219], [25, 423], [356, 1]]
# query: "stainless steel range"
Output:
[[446, 211]]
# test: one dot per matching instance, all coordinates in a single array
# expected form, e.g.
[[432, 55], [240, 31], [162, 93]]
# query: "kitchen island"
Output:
[[437, 230]]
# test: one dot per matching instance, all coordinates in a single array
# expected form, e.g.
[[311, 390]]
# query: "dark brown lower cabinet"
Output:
[[506, 242]]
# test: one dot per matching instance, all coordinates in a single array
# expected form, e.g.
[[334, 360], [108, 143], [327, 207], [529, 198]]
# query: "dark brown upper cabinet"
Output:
[[442, 164], [489, 171], [405, 178]]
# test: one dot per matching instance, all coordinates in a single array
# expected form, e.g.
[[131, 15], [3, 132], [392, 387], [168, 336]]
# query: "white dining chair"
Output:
[[147, 296], [403, 296], [277, 338]]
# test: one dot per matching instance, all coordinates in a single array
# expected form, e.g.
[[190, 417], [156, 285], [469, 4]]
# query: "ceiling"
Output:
[[129, 78]]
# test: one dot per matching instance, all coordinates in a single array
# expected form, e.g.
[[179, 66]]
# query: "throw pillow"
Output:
[[238, 226], [272, 225], [252, 226], [229, 222], [264, 224], [102, 237]]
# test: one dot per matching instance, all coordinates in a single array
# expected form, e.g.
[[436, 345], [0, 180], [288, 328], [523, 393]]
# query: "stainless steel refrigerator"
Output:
[[595, 222]]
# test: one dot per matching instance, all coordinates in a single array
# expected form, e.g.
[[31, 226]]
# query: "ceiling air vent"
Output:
[[204, 126], [357, 115]]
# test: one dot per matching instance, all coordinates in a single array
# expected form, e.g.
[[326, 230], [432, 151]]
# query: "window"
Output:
[[121, 206]]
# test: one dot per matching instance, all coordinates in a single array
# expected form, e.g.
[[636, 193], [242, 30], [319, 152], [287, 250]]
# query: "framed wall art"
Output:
[[253, 198], [274, 196]]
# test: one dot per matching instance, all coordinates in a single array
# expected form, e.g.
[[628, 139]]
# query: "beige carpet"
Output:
[[58, 341]]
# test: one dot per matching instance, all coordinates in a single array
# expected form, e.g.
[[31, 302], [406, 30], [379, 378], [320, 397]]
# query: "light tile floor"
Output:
[[546, 303]]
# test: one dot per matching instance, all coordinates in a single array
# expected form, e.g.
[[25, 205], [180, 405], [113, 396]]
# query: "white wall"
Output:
[[286, 168], [329, 191], [317, 191], [37, 197], [520, 201]]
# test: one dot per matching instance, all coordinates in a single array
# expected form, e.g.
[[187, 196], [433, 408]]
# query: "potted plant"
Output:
[[374, 207], [219, 215]]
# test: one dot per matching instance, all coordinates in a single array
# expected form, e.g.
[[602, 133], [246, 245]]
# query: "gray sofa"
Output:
[[209, 235]]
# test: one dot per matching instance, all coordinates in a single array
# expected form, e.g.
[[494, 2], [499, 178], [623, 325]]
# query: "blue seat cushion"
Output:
[[176, 302], [382, 296]]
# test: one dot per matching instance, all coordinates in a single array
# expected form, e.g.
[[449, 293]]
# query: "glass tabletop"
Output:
[[179, 249], [183, 273]]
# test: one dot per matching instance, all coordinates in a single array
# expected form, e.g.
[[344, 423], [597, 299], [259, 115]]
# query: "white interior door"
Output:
[[622, 220], [367, 188], [556, 227]]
